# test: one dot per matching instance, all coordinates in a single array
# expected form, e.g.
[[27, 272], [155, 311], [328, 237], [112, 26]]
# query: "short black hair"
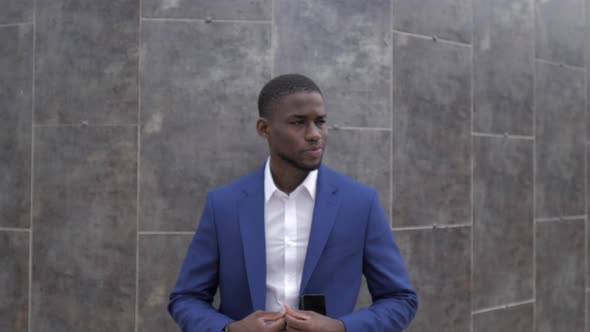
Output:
[[281, 86]]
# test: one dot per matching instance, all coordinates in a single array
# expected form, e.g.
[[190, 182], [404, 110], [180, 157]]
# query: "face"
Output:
[[296, 131]]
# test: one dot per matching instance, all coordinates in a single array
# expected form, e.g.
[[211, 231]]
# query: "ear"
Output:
[[262, 127]]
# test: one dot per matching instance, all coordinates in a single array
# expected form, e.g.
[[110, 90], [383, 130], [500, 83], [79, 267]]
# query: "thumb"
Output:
[[295, 313]]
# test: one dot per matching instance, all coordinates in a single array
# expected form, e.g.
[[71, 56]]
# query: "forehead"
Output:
[[300, 101]]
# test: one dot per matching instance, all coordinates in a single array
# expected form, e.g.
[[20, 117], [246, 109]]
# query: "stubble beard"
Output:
[[299, 165]]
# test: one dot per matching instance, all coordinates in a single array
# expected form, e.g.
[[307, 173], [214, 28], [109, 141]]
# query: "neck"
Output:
[[285, 176]]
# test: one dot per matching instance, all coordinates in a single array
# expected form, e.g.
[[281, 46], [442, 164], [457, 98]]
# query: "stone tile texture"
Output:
[[14, 274], [502, 221], [503, 49], [431, 133], [84, 229], [86, 61], [515, 319], [198, 117], [202, 9], [16, 77], [345, 46], [560, 137], [16, 11]]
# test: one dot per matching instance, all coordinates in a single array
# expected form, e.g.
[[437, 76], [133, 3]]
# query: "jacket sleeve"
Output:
[[190, 301], [394, 301]]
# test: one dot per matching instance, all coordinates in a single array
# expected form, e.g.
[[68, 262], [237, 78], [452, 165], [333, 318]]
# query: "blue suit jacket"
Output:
[[350, 236]]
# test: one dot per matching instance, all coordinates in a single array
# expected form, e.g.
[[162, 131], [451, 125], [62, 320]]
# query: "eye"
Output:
[[320, 122], [297, 122]]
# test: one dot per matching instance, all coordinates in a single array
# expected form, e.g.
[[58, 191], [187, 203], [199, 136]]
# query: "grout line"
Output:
[[17, 24], [418, 228], [509, 136], [166, 233], [15, 229], [32, 170], [201, 20], [472, 169], [503, 306], [432, 38], [586, 104], [338, 127], [272, 39], [83, 124], [553, 63], [533, 7], [391, 115], [560, 219], [138, 163]]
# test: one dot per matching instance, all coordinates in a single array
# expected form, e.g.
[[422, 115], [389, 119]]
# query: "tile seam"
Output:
[[509, 136], [559, 64], [138, 163], [432, 38], [429, 227], [503, 306], [16, 24], [15, 229], [202, 20], [32, 170]]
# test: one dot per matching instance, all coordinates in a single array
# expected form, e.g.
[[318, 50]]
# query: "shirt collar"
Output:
[[309, 183]]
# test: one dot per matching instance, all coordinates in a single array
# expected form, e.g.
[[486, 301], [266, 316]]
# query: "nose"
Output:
[[312, 133]]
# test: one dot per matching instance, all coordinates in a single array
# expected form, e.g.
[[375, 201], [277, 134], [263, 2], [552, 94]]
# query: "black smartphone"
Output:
[[314, 302]]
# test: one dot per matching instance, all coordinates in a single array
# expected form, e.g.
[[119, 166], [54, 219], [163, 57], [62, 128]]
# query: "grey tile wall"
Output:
[[202, 9], [160, 259], [86, 61], [560, 103], [364, 155], [16, 11], [198, 114], [439, 267], [84, 229], [16, 56], [431, 132], [345, 46], [448, 19], [14, 274], [559, 39], [409, 84], [503, 49], [502, 221], [560, 292], [515, 319]]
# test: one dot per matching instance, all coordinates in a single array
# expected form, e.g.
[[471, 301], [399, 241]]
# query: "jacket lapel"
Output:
[[324, 215], [251, 218]]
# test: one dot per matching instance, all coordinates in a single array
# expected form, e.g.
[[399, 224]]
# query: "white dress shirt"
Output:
[[287, 223]]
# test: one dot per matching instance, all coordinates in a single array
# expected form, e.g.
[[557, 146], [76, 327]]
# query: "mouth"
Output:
[[315, 152]]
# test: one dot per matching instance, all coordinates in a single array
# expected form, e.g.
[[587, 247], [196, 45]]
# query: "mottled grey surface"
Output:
[[16, 59], [448, 19], [513, 319], [14, 278], [560, 31], [160, 260], [431, 132], [560, 137], [345, 46], [502, 221], [202, 9], [16, 11], [364, 155], [198, 114], [438, 261], [503, 48], [86, 61], [560, 273], [84, 229]]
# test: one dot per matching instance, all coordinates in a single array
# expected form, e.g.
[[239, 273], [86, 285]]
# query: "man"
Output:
[[293, 228]]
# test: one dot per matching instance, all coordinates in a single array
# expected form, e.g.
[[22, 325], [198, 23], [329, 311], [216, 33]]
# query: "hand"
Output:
[[260, 321], [310, 321]]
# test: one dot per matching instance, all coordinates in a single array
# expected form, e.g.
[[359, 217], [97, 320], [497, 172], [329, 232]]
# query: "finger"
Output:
[[296, 313], [296, 323], [276, 326]]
